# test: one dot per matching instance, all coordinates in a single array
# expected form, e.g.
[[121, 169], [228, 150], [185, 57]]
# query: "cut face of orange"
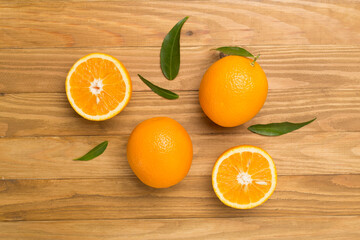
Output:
[[98, 86], [244, 177]]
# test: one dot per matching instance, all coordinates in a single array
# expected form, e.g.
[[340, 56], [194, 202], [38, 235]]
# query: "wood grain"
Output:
[[120, 198], [254, 228], [294, 154], [142, 23], [286, 67], [50, 114], [309, 51]]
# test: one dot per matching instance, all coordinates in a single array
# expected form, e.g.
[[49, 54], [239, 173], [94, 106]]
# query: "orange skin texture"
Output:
[[160, 152], [233, 91]]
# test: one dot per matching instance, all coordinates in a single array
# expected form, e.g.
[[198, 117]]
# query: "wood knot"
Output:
[[189, 33]]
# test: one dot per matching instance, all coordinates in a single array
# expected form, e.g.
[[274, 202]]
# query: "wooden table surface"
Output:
[[310, 53]]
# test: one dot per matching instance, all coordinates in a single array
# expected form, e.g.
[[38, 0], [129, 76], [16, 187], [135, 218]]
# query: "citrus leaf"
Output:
[[93, 153], [170, 51], [235, 51], [158, 90], [277, 129]]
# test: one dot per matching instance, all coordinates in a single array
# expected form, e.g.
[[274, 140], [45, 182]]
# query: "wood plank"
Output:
[[143, 23], [50, 114], [294, 154], [255, 228], [312, 67], [287, 67], [80, 199]]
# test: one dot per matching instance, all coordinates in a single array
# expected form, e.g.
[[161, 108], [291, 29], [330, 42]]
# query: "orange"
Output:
[[244, 177], [233, 90], [160, 152], [98, 86]]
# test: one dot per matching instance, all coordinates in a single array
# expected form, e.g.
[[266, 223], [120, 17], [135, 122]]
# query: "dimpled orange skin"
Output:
[[233, 91], [160, 152]]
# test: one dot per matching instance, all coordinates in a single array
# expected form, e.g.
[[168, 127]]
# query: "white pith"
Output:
[[245, 178], [96, 87], [97, 83]]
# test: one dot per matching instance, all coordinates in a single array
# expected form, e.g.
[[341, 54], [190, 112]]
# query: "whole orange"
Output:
[[233, 90], [160, 152]]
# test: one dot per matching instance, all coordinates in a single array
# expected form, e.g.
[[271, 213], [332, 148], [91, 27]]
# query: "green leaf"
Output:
[[158, 90], [170, 51], [93, 153], [277, 129], [235, 51]]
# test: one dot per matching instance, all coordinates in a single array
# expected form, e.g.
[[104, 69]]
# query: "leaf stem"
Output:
[[255, 58]]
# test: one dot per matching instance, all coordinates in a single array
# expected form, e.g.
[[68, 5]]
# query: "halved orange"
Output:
[[98, 86], [244, 177]]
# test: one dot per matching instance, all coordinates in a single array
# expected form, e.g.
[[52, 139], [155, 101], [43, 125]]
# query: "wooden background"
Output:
[[310, 52]]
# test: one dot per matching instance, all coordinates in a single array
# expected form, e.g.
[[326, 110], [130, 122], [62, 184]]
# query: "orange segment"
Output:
[[98, 86], [244, 177]]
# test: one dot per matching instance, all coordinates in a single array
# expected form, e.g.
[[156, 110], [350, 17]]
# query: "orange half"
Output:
[[98, 86], [244, 177]]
